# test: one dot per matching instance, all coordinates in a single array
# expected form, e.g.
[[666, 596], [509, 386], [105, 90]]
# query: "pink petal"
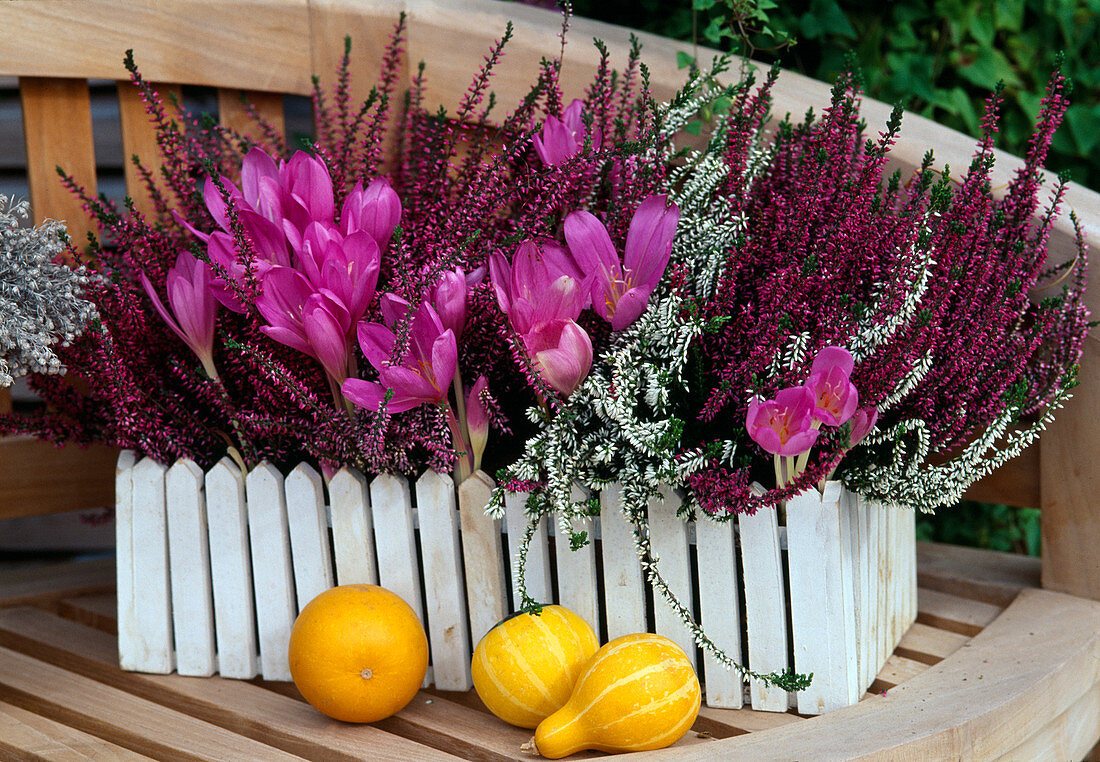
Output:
[[649, 241], [294, 337], [833, 357], [409, 384], [629, 307], [328, 339], [591, 247], [306, 177], [444, 360], [256, 164], [376, 341]]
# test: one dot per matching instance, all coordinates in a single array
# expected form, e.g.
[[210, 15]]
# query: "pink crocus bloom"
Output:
[[562, 353], [863, 422], [193, 306], [374, 210], [422, 376], [477, 420], [449, 300], [561, 139], [315, 323], [620, 291], [835, 397], [783, 426], [347, 266], [540, 285]]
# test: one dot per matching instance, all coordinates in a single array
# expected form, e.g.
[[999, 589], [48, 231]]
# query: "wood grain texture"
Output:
[[1071, 486], [45, 584], [233, 112], [1027, 668], [25, 735], [57, 130], [192, 41], [38, 478], [239, 707], [983, 575]]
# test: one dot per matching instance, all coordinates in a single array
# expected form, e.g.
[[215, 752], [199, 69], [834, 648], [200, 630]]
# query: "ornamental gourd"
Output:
[[638, 693], [525, 667]]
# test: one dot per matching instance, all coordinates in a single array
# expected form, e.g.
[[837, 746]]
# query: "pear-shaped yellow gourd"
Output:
[[638, 693], [525, 667]]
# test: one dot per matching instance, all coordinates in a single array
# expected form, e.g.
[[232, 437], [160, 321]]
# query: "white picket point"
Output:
[[538, 554], [309, 543], [189, 557], [352, 529], [482, 555], [272, 568], [577, 587], [669, 536], [623, 585], [443, 580], [720, 612], [765, 605], [126, 572], [231, 572], [153, 647]]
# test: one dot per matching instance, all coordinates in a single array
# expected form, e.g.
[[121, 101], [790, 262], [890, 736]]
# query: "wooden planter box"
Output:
[[213, 568]]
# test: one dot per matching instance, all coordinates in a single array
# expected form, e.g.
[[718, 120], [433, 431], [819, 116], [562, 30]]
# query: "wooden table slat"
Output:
[[26, 735]]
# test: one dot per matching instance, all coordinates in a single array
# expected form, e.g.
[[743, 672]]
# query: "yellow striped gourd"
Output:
[[638, 693], [525, 667]]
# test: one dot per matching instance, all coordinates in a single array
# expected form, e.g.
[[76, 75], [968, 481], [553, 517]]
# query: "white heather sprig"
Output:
[[42, 300]]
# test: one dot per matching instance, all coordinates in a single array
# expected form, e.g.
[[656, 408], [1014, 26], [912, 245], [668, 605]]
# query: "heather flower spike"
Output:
[[620, 291], [423, 375], [783, 426], [835, 397], [561, 139], [193, 307]]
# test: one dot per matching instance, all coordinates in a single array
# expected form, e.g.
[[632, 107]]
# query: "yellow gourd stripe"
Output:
[[504, 690], [636, 675], [531, 674], [551, 641], [684, 690]]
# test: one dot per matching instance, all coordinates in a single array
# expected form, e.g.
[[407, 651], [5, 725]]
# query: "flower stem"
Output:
[[462, 462]]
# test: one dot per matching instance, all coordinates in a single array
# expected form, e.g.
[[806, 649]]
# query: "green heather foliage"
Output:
[[937, 59]]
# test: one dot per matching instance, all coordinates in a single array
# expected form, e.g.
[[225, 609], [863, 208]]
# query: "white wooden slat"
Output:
[[352, 529], [866, 601], [719, 609], [883, 587], [395, 542], [577, 587], [443, 580], [538, 554], [189, 558], [309, 543], [874, 520], [624, 587], [153, 648], [482, 556], [126, 573], [911, 546], [669, 537], [765, 605], [819, 617], [848, 662], [235, 608], [272, 568]]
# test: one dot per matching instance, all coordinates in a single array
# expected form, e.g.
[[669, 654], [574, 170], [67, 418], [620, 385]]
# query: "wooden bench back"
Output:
[[271, 47]]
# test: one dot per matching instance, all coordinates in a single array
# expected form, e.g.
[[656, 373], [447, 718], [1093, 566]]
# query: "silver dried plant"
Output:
[[42, 302]]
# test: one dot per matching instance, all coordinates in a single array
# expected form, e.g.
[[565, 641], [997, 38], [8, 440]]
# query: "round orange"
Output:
[[358, 653]]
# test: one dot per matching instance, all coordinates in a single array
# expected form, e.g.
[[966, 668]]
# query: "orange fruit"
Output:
[[358, 653]]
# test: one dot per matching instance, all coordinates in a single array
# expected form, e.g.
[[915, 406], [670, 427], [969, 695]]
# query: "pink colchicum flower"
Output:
[[425, 372], [863, 422], [562, 353], [783, 426], [375, 210], [347, 266], [539, 285], [477, 421], [449, 300], [620, 291], [835, 397], [193, 305], [313, 322], [561, 139]]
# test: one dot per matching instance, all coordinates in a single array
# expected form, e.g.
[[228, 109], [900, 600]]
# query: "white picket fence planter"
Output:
[[213, 568]]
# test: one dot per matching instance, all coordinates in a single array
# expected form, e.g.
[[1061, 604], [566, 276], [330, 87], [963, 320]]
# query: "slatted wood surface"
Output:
[[62, 695]]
